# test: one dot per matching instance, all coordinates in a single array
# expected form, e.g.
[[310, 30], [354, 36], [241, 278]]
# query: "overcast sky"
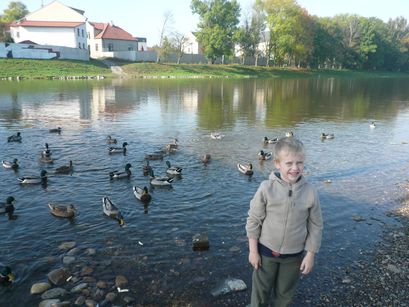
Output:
[[144, 18]]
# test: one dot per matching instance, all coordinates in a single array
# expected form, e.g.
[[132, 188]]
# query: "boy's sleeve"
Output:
[[314, 226], [256, 214]]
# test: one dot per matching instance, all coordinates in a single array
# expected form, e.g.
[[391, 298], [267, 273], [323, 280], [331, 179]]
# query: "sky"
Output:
[[144, 18]]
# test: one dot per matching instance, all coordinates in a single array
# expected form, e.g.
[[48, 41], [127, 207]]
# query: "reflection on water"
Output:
[[356, 174]]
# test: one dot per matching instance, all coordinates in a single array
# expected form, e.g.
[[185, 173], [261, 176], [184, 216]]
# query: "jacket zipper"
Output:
[[290, 193]]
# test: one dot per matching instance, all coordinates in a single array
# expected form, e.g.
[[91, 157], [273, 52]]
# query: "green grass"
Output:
[[46, 69]]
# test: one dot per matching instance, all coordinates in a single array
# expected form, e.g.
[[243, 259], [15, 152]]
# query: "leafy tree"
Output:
[[217, 26], [15, 11]]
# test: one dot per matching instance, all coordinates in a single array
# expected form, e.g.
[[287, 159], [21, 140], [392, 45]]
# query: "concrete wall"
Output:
[[28, 51]]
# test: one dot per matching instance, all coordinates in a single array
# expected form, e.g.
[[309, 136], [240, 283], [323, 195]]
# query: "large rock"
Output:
[[53, 293], [229, 285], [78, 288], [49, 303], [200, 242], [67, 245], [39, 287], [58, 276]]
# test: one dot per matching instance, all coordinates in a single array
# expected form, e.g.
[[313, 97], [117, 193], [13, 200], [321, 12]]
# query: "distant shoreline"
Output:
[[26, 69]]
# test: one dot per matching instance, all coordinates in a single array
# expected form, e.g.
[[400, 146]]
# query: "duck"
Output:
[[111, 210], [55, 130], [124, 174], [46, 159], [266, 140], [14, 138], [327, 136], [142, 194], [6, 275], [372, 125], [157, 155], [65, 169], [8, 207], [173, 170], [265, 155], [289, 134], [118, 149], [7, 164], [171, 147], [206, 158], [111, 140], [46, 152], [216, 135], [146, 169], [246, 169], [163, 181], [60, 210], [34, 179]]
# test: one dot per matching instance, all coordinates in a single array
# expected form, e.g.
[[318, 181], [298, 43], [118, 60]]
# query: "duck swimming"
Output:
[[46, 152], [325, 136], [164, 181], [142, 194], [64, 169], [60, 210], [266, 140], [246, 169], [173, 170], [171, 147], [55, 130], [372, 125], [6, 275], [34, 179], [111, 140], [119, 175], [206, 158], [146, 169], [265, 155], [289, 134], [14, 138], [111, 210], [8, 207], [7, 164], [122, 149], [216, 135]]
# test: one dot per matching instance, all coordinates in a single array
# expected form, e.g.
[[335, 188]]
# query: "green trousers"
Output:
[[277, 276]]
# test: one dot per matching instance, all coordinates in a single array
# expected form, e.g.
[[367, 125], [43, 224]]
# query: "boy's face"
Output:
[[290, 165]]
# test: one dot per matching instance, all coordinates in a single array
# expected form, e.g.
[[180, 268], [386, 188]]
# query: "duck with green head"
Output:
[[6, 275], [14, 138], [119, 175], [122, 149], [8, 207], [13, 165], [34, 179]]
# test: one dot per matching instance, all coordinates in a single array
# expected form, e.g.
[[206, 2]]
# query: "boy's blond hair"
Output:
[[288, 145]]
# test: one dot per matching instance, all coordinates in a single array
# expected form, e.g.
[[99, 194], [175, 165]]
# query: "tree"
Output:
[[162, 48], [217, 26], [179, 42], [15, 11]]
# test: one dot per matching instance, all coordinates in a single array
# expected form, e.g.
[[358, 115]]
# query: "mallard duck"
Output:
[[6, 275], [118, 149], [146, 169], [111, 210], [8, 207], [160, 181], [111, 140], [372, 125], [65, 169], [266, 140], [325, 136], [34, 179], [61, 210], [142, 194], [289, 134], [206, 158], [173, 170], [46, 152], [246, 169], [46, 159], [8, 164], [119, 175], [216, 135], [265, 155], [55, 130], [14, 138], [158, 155], [171, 147]]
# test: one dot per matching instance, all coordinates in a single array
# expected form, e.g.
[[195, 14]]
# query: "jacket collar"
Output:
[[275, 176]]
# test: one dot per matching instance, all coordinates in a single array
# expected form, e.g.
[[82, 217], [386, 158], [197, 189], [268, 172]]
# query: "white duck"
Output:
[[216, 135]]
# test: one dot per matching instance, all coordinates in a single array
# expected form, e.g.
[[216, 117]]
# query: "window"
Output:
[[88, 35], [18, 34], [96, 47], [82, 32], [83, 46], [110, 47], [130, 48], [78, 32], [79, 45]]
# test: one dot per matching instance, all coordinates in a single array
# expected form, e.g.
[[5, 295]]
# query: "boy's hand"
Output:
[[307, 263], [255, 260]]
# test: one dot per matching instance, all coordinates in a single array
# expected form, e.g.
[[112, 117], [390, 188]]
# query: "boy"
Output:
[[284, 220]]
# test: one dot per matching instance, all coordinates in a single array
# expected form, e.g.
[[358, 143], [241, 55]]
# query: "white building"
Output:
[[192, 46]]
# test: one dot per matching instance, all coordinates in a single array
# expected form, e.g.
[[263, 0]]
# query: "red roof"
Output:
[[55, 24], [109, 31]]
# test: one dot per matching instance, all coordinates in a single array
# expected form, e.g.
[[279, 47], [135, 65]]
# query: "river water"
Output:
[[357, 175]]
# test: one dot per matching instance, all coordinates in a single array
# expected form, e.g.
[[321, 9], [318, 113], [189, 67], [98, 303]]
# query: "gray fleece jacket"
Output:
[[285, 217]]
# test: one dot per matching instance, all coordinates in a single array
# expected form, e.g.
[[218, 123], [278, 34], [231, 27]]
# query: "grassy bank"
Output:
[[46, 69]]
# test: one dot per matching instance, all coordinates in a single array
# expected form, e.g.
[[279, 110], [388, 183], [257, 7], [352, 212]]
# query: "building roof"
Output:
[[52, 24], [109, 31]]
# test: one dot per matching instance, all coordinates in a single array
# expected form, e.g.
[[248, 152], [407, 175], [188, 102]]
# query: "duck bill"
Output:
[[121, 222], [11, 276]]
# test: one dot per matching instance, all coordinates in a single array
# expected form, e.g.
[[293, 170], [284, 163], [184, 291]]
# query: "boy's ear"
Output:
[[276, 163]]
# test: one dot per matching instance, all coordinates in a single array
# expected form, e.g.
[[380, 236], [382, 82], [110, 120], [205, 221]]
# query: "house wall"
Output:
[[192, 46], [119, 47], [67, 37], [31, 51], [56, 11]]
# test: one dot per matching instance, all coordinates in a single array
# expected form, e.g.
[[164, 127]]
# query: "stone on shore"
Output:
[[58, 276], [200, 242], [121, 281], [39, 287], [53, 293], [229, 285], [49, 303]]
